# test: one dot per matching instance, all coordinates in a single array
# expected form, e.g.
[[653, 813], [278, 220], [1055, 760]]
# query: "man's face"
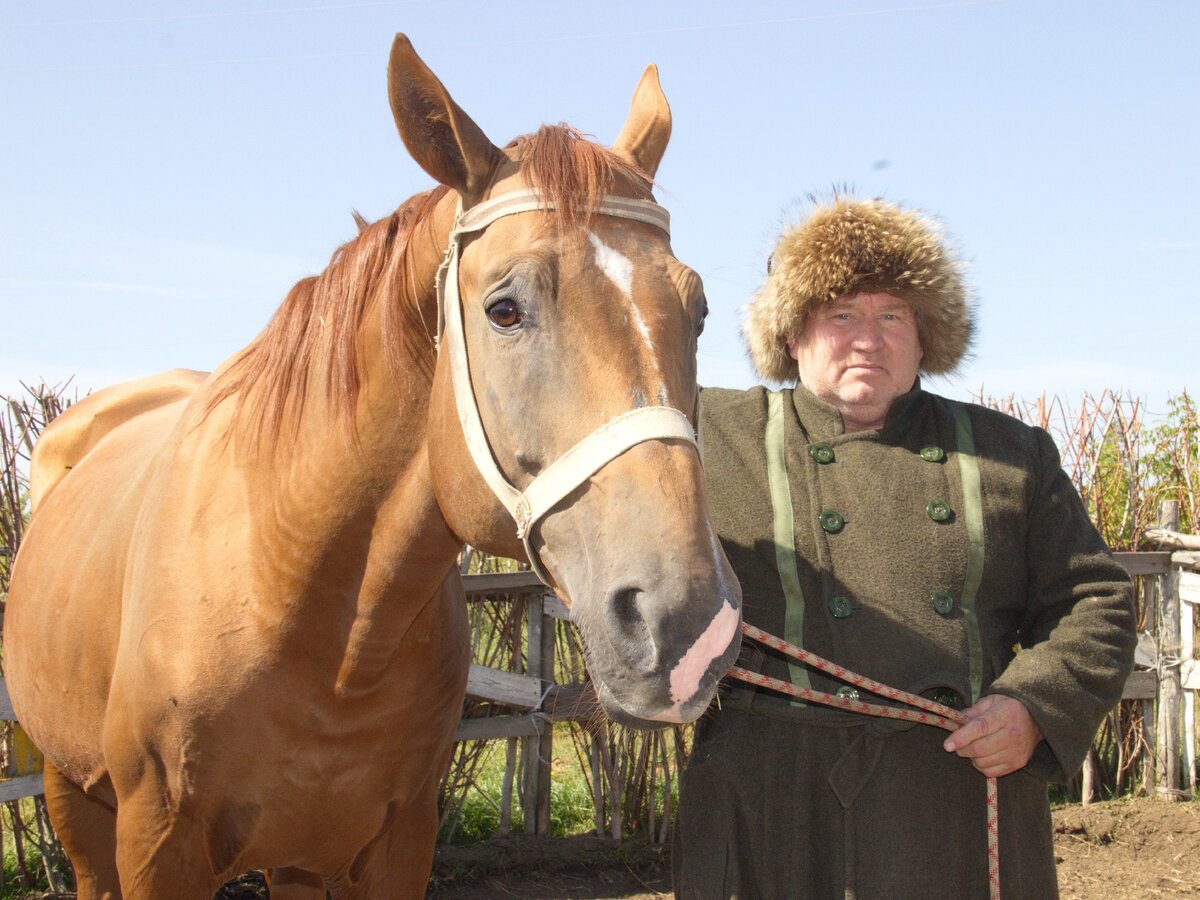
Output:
[[859, 353]]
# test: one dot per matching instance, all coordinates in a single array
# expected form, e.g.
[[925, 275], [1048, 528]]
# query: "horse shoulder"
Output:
[[71, 436]]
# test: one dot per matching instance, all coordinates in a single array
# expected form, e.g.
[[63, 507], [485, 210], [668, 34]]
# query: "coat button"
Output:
[[832, 521], [947, 696], [933, 454], [939, 510], [822, 453], [943, 603], [840, 608], [848, 692]]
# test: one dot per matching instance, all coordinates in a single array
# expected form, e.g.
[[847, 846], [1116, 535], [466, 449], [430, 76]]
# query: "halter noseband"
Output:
[[585, 458]]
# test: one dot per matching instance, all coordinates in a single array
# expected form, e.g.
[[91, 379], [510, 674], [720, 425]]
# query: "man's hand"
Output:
[[998, 737]]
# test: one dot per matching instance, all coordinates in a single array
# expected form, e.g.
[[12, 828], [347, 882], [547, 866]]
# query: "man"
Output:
[[935, 546]]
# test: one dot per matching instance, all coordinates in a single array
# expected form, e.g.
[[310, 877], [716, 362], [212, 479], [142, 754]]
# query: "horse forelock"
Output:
[[573, 172]]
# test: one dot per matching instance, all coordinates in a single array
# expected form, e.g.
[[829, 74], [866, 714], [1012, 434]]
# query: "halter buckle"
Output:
[[523, 515]]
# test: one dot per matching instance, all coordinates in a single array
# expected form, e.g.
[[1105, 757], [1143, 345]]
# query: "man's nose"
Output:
[[868, 335]]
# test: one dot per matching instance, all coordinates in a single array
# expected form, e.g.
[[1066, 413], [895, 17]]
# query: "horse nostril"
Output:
[[628, 629]]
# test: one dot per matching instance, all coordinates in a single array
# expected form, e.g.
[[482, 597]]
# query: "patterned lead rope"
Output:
[[926, 712]]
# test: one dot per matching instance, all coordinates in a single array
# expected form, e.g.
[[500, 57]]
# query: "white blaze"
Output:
[[619, 270], [614, 264]]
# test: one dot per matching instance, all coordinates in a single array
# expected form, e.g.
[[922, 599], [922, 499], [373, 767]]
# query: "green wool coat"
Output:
[[784, 800]]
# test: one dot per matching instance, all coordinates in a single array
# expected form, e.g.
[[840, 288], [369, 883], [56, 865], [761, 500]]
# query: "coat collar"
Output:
[[821, 420]]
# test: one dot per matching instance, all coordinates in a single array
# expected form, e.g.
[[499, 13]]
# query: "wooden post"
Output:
[[616, 818], [1170, 692], [506, 787], [539, 750], [667, 779], [510, 751], [1150, 605], [1090, 773], [1189, 596], [597, 784]]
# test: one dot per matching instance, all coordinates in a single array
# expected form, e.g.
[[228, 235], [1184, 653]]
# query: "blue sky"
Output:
[[168, 171]]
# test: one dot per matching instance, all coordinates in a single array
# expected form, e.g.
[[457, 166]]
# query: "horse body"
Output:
[[257, 654], [319, 576]]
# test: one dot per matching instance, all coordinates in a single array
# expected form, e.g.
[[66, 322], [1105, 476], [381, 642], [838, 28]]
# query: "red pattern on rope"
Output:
[[927, 712]]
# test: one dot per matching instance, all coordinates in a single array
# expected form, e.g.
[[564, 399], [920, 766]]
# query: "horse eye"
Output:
[[703, 316], [504, 313]]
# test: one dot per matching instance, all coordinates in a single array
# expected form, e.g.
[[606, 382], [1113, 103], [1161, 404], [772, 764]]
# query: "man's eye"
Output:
[[504, 313]]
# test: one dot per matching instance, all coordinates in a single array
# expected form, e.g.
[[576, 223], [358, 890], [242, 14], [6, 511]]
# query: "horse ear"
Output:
[[643, 139], [438, 134]]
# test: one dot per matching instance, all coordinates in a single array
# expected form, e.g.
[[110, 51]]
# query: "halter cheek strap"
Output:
[[596, 450]]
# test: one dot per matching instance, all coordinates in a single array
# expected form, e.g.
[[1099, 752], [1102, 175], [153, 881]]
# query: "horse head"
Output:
[[565, 437]]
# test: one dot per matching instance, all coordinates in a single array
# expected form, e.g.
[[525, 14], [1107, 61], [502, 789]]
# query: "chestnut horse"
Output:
[[235, 627]]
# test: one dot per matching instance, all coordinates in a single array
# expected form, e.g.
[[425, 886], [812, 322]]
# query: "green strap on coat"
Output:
[[784, 519], [968, 466]]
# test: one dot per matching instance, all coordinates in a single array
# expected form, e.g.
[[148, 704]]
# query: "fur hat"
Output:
[[848, 246]]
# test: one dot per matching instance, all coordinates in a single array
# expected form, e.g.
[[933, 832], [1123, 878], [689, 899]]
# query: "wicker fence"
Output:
[[521, 703], [1164, 684]]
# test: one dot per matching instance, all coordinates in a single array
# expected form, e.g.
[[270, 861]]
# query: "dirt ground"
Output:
[[1120, 850], [1128, 850], [1140, 849]]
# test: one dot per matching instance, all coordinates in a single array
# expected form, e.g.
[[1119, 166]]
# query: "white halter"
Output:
[[596, 450]]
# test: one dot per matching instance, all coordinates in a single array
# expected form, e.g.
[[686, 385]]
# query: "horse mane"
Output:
[[320, 319], [316, 328]]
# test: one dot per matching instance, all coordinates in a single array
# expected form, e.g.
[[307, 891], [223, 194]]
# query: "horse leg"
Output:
[[164, 851], [294, 884], [87, 829], [396, 864], [158, 861]]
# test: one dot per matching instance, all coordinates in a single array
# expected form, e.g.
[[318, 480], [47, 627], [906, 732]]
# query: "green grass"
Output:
[[15, 886], [571, 810], [570, 797]]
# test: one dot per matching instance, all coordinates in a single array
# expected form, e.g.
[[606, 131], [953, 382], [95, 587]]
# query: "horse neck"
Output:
[[358, 492]]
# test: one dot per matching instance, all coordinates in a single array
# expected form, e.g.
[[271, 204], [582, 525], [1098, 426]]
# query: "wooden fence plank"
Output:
[[1187, 559], [1153, 563], [503, 583], [575, 702], [563, 703], [507, 688], [6, 710], [552, 606], [1189, 587], [555, 608], [1190, 672], [489, 727], [1141, 686], [24, 786]]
